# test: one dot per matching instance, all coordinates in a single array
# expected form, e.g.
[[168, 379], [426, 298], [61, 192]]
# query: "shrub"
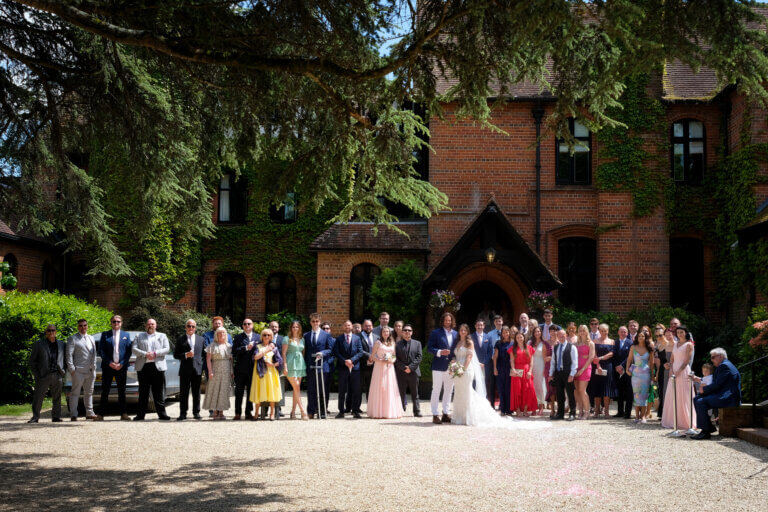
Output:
[[426, 364], [397, 290], [16, 337], [169, 321], [751, 347], [23, 318], [284, 319]]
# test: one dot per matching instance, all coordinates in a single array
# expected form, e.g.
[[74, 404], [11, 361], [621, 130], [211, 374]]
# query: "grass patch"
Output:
[[22, 409]]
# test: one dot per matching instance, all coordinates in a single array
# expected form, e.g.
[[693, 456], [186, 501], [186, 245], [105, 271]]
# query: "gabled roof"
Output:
[[492, 229], [359, 237], [8, 232], [756, 228]]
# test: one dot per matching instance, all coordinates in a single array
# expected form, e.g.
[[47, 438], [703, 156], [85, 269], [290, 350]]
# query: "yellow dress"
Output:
[[267, 388]]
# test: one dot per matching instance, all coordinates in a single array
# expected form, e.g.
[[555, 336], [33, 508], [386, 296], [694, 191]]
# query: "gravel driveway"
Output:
[[408, 464]]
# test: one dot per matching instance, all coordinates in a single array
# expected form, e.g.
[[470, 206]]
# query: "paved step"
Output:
[[758, 436]]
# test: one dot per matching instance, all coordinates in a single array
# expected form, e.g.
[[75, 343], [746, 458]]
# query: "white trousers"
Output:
[[84, 381], [441, 380]]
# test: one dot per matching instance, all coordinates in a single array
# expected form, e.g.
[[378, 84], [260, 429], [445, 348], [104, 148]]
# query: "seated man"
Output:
[[725, 391]]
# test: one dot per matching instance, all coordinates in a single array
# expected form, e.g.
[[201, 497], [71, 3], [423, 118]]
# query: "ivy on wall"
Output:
[[717, 208]]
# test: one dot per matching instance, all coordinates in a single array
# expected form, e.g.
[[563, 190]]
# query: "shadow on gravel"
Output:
[[220, 483]]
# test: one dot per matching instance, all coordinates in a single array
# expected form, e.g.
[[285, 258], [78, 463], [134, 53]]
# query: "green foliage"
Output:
[[284, 319], [23, 318], [7, 280], [17, 334], [426, 363], [751, 349], [564, 315], [628, 166], [397, 290]]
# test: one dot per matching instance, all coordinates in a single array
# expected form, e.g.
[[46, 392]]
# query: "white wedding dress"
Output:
[[470, 407]]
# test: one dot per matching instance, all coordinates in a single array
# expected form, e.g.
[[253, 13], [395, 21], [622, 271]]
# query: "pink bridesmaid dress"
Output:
[[685, 416], [384, 395]]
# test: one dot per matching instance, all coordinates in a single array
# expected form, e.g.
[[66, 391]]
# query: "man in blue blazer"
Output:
[[115, 352], [348, 350], [440, 345], [484, 350], [317, 341], [725, 391]]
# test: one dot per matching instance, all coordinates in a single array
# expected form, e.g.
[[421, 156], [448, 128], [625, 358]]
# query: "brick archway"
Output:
[[499, 274]]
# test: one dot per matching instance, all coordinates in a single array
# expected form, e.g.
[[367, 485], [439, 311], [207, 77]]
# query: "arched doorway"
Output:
[[500, 280], [484, 299]]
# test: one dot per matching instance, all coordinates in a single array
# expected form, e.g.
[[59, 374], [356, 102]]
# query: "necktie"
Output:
[[348, 339], [191, 346], [560, 357], [314, 338], [116, 343]]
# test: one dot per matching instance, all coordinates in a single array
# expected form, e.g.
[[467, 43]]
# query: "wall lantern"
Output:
[[490, 254]]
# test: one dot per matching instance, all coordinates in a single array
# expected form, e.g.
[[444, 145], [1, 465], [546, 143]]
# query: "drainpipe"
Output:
[[538, 114]]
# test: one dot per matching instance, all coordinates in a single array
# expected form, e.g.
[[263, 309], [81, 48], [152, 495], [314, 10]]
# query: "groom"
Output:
[[440, 345]]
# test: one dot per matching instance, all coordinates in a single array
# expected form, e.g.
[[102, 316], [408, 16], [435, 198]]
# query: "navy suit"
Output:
[[485, 357], [107, 354], [323, 344], [440, 380], [623, 381], [243, 370], [725, 391], [349, 381]]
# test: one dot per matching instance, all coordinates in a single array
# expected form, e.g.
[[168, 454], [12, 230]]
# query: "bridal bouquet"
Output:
[[389, 357], [455, 370]]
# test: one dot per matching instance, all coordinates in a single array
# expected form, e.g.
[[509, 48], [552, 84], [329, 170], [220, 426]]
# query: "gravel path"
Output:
[[408, 464]]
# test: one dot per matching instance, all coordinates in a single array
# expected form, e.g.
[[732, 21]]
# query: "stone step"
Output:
[[758, 436]]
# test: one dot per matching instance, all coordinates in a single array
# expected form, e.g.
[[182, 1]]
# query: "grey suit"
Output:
[[45, 379], [151, 373], [81, 364]]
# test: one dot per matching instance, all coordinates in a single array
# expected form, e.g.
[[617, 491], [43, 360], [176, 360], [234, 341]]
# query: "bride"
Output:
[[470, 407]]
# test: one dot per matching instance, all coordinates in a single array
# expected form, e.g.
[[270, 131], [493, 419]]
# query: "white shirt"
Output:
[[116, 342], [151, 342], [594, 335], [545, 332], [557, 357], [480, 337], [449, 337], [191, 344]]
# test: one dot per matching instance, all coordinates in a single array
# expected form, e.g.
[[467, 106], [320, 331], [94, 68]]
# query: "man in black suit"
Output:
[[47, 362], [242, 351], [189, 351], [407, 362], [562, 370], [349, 351]]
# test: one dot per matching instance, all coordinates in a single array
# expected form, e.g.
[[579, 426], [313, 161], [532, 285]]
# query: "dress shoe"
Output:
[[181, 418], [356, 415], [73, 418], [627, 416], [56, 420], [197, 417], [436, 420], [558, 417], [95, 417], [236, 418], [164, 417], [33, 420], [340, 415], [702, 435], [249, 416], [138, 418], [618, 415], [571, 417], [417, 415], [125, 417], [445, 418]]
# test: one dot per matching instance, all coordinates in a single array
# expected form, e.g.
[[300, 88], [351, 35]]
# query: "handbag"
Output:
[[602, 372]]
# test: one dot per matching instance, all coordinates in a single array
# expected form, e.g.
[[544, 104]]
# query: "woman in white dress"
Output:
[[470, 407], [539, 365]]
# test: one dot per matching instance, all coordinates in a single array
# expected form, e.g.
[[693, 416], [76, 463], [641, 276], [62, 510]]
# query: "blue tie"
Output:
[[314, 339]]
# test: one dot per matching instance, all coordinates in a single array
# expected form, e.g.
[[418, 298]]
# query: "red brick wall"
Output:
[[333, 279], [29, 272]]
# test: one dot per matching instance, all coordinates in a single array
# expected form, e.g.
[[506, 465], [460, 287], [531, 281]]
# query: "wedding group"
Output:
[[479, 377]]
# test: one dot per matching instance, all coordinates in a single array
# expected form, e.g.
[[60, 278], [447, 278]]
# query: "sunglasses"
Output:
[[407, 330], [191, 326], [50, 330], [117, 321]]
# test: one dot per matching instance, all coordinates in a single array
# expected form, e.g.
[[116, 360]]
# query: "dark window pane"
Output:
[[281, 293], [230, 296], [577, 269], [688, 150], [233, 199], [361, 279], [686, 274], [574, 169], [581, 167]]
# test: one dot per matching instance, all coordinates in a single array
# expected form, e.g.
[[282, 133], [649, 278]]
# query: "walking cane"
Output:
[[691, 431], [320, 383], [675, 432]]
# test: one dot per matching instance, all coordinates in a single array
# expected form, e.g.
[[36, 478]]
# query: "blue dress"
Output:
[[603, 385], [503, 380]]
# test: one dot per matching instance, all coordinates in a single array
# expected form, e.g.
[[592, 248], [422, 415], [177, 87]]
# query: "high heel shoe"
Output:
[[304, 416], [293, 415]]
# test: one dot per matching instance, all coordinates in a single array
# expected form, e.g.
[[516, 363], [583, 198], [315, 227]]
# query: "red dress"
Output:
[[522, 392]]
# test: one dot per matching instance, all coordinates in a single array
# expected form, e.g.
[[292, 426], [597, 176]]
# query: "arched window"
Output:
[[281, 293], [233, 199], [361, 279], [686, 274], [577, 269], [230, 296], [688, 151], [13, 263], [576, 168]]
